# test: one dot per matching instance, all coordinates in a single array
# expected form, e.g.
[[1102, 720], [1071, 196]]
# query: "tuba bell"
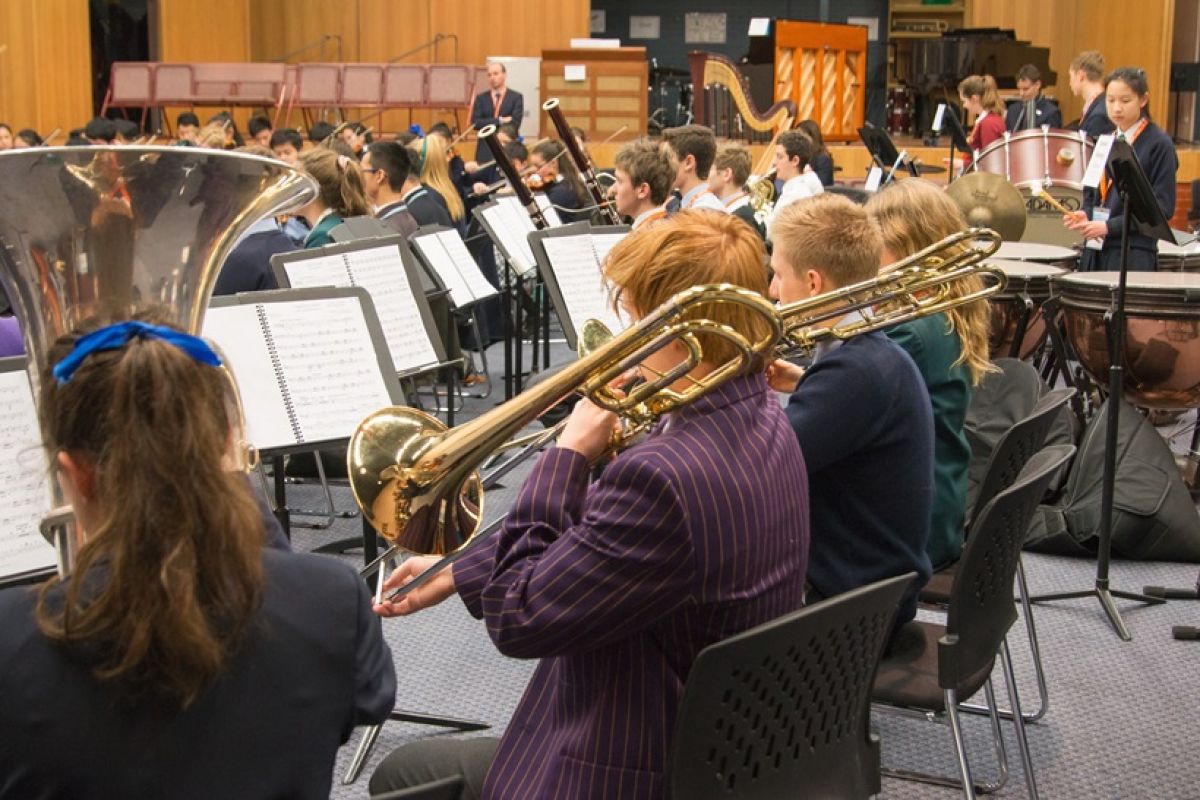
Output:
[[103, 231]]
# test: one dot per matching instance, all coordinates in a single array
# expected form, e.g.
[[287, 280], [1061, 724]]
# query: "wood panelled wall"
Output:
[[1139, 36], [45, 65], [380, 30], [212, 30]]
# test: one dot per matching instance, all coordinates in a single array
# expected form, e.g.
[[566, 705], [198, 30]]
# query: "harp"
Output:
[[721, 100]]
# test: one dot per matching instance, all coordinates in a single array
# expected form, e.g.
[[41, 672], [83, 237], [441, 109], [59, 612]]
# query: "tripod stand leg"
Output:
[[363, 750], [1114, 618]]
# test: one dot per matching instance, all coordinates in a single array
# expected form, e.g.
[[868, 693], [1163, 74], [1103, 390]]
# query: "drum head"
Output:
[[1036, 251], [1146, 293], [1026, 276]]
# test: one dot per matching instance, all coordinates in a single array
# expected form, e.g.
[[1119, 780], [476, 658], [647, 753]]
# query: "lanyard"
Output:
[[1131, 138], [497, 101]]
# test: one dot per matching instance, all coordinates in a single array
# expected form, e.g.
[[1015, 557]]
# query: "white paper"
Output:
[[870, 23], [447, 254], [380, 270], [595, 44], [325, 353], [938, 117], [577, 272], [511, 225], [1095, 167], [549, 212], [575, 72], [23, 474], [760, 26], [238, 331], [873, 179], [603, 243]]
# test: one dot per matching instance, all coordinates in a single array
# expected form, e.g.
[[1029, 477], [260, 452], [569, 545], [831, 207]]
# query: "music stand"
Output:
[[958, 138], [1143, 212], [883, 151]]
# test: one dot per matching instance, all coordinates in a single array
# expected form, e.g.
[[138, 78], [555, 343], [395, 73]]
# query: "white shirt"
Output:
[[801, 187], [648, 215], [700, 197], [736, 201]]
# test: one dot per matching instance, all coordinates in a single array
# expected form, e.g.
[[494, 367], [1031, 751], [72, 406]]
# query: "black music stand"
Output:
[[1143, 212], [958, 138], [883, 151]]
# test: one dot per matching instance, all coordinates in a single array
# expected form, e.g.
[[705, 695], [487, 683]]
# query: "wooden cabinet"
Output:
[[600, 91], [914, 20]]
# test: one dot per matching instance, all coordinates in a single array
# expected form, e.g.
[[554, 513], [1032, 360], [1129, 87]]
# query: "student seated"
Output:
[[861, 414]]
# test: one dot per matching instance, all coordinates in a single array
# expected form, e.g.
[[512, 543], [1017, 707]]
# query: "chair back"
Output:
[[1016, 447], [131, 83], [318, 85], [404, 85], [443, 789], [782, 710], [173, 84], [981, 606], [362, 85], [449, 85]]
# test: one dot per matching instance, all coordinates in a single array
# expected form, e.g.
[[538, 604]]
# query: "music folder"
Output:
[[310, 364], [445, 254], [570, 259], [25, 555]]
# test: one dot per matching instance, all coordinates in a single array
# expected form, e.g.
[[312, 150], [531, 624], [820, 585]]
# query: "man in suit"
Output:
[[499, 105], [1086, 75], [861, 413], [386, 170], [695, 534], [1033, 109]]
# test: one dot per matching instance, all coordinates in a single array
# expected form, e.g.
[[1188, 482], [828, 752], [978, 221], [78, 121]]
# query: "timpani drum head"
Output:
[[1058, 255]]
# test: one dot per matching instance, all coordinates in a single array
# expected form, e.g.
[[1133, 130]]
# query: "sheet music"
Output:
[[577, 273], [332, 375], [603, 243], [447, 254], [549, 212], [238, 331], [23, 474], [512, 231], [381, 272]]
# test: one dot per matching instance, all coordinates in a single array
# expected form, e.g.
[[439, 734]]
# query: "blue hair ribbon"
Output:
[[415, 130], [114, 337]]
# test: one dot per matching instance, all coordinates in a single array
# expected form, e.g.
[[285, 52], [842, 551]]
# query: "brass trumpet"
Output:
[[417, 483]]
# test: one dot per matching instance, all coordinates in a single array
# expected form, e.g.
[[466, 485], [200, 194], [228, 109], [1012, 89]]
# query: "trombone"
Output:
[[417, 482]]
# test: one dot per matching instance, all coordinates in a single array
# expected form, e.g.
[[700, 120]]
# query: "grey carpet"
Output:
[[1121, 719]]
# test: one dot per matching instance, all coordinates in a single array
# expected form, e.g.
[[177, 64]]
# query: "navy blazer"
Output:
[[483, 114], [1156, 153], [248, 267], [312, 666], [1095, 122], [696, 534], [1047, 112]]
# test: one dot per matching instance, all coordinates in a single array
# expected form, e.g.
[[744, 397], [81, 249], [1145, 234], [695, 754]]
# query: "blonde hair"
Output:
[[435, 173], [830, 234], [1090, 63], [339, 180], [914, 214], [983, 87], [691, 248]]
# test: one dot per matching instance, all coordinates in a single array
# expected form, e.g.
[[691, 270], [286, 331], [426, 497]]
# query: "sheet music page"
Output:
[[573, 259], [23, 473], [380, 270], [238, 331], [481, 288], [329, 364], [311, 273], [448, 255], [603, 243], [512, 225]]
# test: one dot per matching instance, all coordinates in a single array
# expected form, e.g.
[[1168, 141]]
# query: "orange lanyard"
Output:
[[497, 101], [1131, 138]]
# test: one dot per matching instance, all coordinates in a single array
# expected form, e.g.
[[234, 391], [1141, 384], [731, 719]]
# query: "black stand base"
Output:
[[1105, 595]]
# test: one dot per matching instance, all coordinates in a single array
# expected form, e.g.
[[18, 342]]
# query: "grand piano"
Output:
[[937, 64]]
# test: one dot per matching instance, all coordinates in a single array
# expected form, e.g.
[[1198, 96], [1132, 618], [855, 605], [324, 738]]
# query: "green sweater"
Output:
[[935, 349], [319, 235]]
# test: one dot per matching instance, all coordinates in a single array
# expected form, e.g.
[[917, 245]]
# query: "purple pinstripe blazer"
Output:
[[696, 534]]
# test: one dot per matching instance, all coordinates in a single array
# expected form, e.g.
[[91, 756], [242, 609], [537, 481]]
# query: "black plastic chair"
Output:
[[443, 789], [783, 709], [931, 666], [1011, 454]]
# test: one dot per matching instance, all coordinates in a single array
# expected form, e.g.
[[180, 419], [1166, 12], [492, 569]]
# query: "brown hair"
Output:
[[693, 140], [171, 574], [797, 144], [1090, 63], [983, 87], [340, 181], [645, 163], [554, 151], [694, 247], [914, 214], [813, 131], [736, 158], [435, 173], [830, 234], [1028, 72]]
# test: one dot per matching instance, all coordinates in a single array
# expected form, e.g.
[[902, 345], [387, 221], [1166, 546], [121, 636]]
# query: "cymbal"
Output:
[[990, 201]]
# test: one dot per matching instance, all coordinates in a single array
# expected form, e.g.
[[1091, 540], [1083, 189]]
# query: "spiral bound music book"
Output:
[[445, 252], [569, 259], [379, 266], [310, 363], [24, 553]]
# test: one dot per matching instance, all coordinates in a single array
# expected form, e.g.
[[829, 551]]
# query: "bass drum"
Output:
[[1162, 332], [1020, 302], [1033, 159]]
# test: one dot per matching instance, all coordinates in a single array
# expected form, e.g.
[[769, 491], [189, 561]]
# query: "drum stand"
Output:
[[1116, 377]]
